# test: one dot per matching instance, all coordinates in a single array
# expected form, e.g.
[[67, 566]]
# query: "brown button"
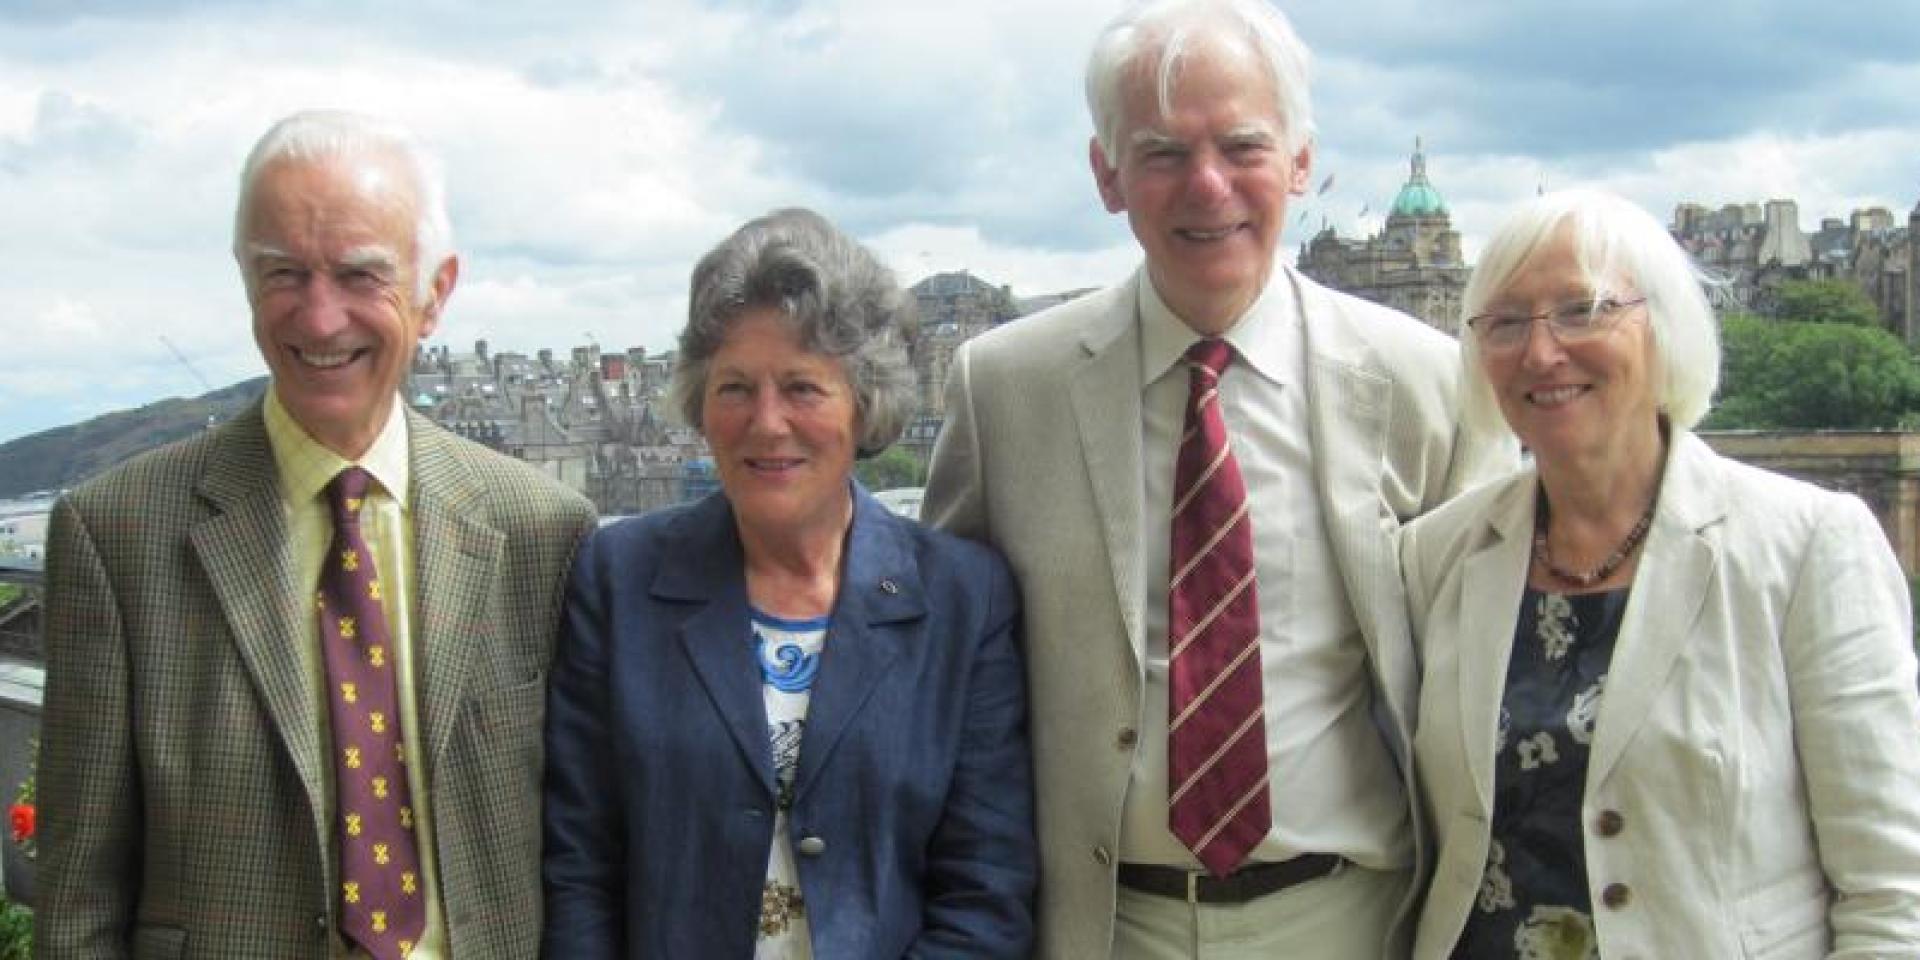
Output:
[[1101, 856], [1609, 823], [1129, 736], [1616, 895]]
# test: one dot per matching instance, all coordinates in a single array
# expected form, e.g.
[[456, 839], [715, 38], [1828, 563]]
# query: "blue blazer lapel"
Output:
[[880, 594], [708, 569]]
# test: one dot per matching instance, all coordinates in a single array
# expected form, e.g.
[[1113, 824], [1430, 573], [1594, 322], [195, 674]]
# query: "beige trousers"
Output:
[[1344, 916]]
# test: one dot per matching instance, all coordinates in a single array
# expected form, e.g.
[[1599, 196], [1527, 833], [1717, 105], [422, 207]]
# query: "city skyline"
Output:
[[594, 150]]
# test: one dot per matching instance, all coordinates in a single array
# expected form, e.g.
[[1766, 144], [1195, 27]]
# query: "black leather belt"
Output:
[[1250, 882]]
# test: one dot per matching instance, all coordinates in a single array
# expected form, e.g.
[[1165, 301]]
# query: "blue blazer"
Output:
[[914, 770]]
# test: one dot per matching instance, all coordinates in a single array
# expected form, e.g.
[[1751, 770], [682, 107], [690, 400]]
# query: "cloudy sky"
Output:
[[595, 147]]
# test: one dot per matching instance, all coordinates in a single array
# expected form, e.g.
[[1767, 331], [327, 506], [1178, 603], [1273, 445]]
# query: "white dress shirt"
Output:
[[1332, 781]]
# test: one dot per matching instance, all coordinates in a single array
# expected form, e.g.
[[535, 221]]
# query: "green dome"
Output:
[[1418, 198]]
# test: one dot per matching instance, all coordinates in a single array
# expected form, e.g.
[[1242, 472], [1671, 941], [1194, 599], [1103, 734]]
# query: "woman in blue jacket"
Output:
[[784, 722]]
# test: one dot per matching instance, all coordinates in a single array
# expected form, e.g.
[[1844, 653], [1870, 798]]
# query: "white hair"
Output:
[[313, 135], [1615, 243], [1169, 30]]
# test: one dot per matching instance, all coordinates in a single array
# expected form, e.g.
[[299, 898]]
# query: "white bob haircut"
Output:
[[1168, 31], [314, 135], [1622, 250]]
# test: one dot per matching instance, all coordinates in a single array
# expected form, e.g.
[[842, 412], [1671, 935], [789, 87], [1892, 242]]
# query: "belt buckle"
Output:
[[1193, 887]]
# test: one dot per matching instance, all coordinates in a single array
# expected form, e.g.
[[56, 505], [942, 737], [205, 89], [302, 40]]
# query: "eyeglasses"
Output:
[[1572, 322]]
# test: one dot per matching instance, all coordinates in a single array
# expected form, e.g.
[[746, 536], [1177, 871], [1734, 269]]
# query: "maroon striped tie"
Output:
[[1217, 735], [382, 905]]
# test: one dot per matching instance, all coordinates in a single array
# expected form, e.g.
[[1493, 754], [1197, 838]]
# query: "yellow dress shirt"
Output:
[[305, 469]]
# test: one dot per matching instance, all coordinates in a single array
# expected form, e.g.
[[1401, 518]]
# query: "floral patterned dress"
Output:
[[1534, 902], [789, 655]]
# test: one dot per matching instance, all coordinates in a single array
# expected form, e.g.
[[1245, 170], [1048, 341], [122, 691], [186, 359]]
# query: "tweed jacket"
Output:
[[181, 775], [1041, 456], [913, 777], [1753, 786]]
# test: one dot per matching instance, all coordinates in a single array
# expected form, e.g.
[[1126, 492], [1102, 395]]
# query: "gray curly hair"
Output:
[[845, 304]]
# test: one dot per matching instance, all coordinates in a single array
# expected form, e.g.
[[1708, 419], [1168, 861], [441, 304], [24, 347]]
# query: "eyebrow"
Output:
[[1250, 133], [257, 252], [1151, 139], [371, 258]]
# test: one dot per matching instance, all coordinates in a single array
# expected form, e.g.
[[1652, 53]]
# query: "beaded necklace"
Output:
[[1606, 568]]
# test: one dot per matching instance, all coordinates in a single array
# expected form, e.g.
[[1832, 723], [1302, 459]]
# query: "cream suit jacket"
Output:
[[1040, 456], [181, 768], [1759, 738]]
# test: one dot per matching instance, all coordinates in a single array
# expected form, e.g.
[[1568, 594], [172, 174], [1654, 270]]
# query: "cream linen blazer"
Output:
[[1041, 457], [1759, 738]]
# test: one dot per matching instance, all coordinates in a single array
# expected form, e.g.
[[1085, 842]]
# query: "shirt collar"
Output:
[[1267, 336], [306, 466]]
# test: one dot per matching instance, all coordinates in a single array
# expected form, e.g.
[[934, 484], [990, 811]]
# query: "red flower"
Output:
[[20, 815]]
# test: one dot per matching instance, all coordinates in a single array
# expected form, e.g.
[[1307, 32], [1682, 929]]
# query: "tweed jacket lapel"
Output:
[[1659, 621], [710, 570], [879, 589], [457, 561], [242, 547], [1105, 391]]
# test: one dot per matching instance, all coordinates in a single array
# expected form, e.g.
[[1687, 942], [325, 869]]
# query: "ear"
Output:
[[1302, 170], [1106, 177], [443, 282]]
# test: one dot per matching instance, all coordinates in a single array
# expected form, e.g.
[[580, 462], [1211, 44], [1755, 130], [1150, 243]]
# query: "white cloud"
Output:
[[916, 251], [597, 148]]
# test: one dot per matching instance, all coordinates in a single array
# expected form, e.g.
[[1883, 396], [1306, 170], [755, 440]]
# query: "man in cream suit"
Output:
[[195, 802], [1060, 448]]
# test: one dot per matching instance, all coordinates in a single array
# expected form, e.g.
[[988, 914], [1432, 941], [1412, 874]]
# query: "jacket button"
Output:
[[1616, 895], [1101, 856], [1128, 737], [1609, 823], [811, 846], [320, 926], [889, 588]]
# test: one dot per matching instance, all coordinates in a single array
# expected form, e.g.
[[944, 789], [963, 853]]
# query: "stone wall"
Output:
[[1880, 467]]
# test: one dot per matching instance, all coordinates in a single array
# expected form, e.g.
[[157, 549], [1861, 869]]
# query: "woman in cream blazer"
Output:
[[1739, 776]]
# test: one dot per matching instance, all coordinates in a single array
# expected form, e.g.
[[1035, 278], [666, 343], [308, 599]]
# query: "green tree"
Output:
[[1784, 375], [892, 469], [1826, 301], [16, 931]]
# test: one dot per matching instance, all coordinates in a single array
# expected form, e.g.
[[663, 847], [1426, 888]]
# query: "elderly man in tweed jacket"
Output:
[[194, 797]]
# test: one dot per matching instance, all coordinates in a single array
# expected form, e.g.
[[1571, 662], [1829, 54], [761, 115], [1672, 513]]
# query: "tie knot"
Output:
[[1212, 353], [346, 492]]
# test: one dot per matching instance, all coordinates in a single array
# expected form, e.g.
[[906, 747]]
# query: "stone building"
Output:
[[1757, 247], [954, 308], [1412, 265], [596, 423]]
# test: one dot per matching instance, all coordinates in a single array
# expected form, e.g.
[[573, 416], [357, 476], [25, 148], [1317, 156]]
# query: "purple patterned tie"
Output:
[[1216, 719], [382, 905]]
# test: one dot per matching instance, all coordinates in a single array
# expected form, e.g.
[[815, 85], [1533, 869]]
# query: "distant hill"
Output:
[[64, 456]]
